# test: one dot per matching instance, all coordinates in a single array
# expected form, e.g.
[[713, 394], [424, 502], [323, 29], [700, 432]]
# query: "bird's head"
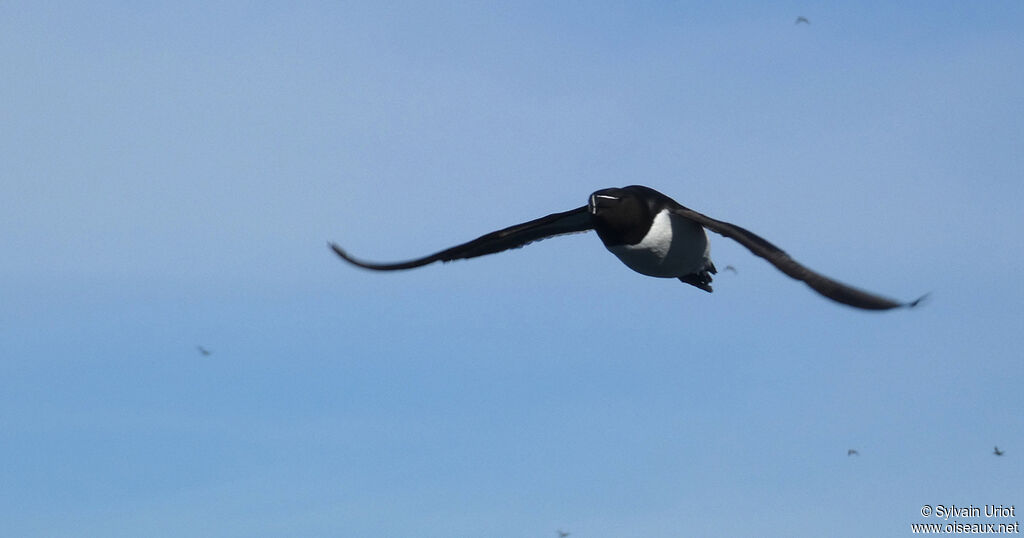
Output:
[[620, 212]]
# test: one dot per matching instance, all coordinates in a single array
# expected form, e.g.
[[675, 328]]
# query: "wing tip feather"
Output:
[[918, 301]]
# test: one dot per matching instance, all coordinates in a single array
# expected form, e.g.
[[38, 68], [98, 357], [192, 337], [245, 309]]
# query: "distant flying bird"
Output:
[[562, 534], [204, 351], [998, 452], [653, 235], [852, 452], [731, 268], [802, 19]]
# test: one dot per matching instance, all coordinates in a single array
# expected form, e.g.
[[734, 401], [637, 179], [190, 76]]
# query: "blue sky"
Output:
[[173, 172]]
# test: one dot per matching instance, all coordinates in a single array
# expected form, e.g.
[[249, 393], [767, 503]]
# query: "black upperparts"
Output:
[[624, 216]]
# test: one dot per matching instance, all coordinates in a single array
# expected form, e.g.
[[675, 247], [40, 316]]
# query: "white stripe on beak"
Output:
[[593, 201]]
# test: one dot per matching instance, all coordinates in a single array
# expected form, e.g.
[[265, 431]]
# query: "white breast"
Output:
[[673, 247]]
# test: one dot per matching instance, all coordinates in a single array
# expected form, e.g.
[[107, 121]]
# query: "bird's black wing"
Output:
[[576, 220], [833, 289]]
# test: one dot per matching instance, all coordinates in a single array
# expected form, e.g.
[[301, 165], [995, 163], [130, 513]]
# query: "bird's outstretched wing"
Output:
[[576, 220], [833, 289]]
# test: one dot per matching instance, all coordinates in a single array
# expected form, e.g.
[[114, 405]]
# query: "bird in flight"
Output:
[[852, 452], [731, 268], [998, 452], [803, 20], [205, 352], [653, 235], [562, 534]]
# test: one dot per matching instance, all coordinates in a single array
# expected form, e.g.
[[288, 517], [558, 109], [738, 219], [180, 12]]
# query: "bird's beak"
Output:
[[601, 200]]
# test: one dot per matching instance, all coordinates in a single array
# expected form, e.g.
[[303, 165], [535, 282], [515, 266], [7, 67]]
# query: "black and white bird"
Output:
[[997, 452], [653, 235]]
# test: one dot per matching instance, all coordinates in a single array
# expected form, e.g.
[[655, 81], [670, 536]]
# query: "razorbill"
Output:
[[653, 235]]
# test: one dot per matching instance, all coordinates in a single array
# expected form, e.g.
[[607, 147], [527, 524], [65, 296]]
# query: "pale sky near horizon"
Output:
[[172, 174]]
